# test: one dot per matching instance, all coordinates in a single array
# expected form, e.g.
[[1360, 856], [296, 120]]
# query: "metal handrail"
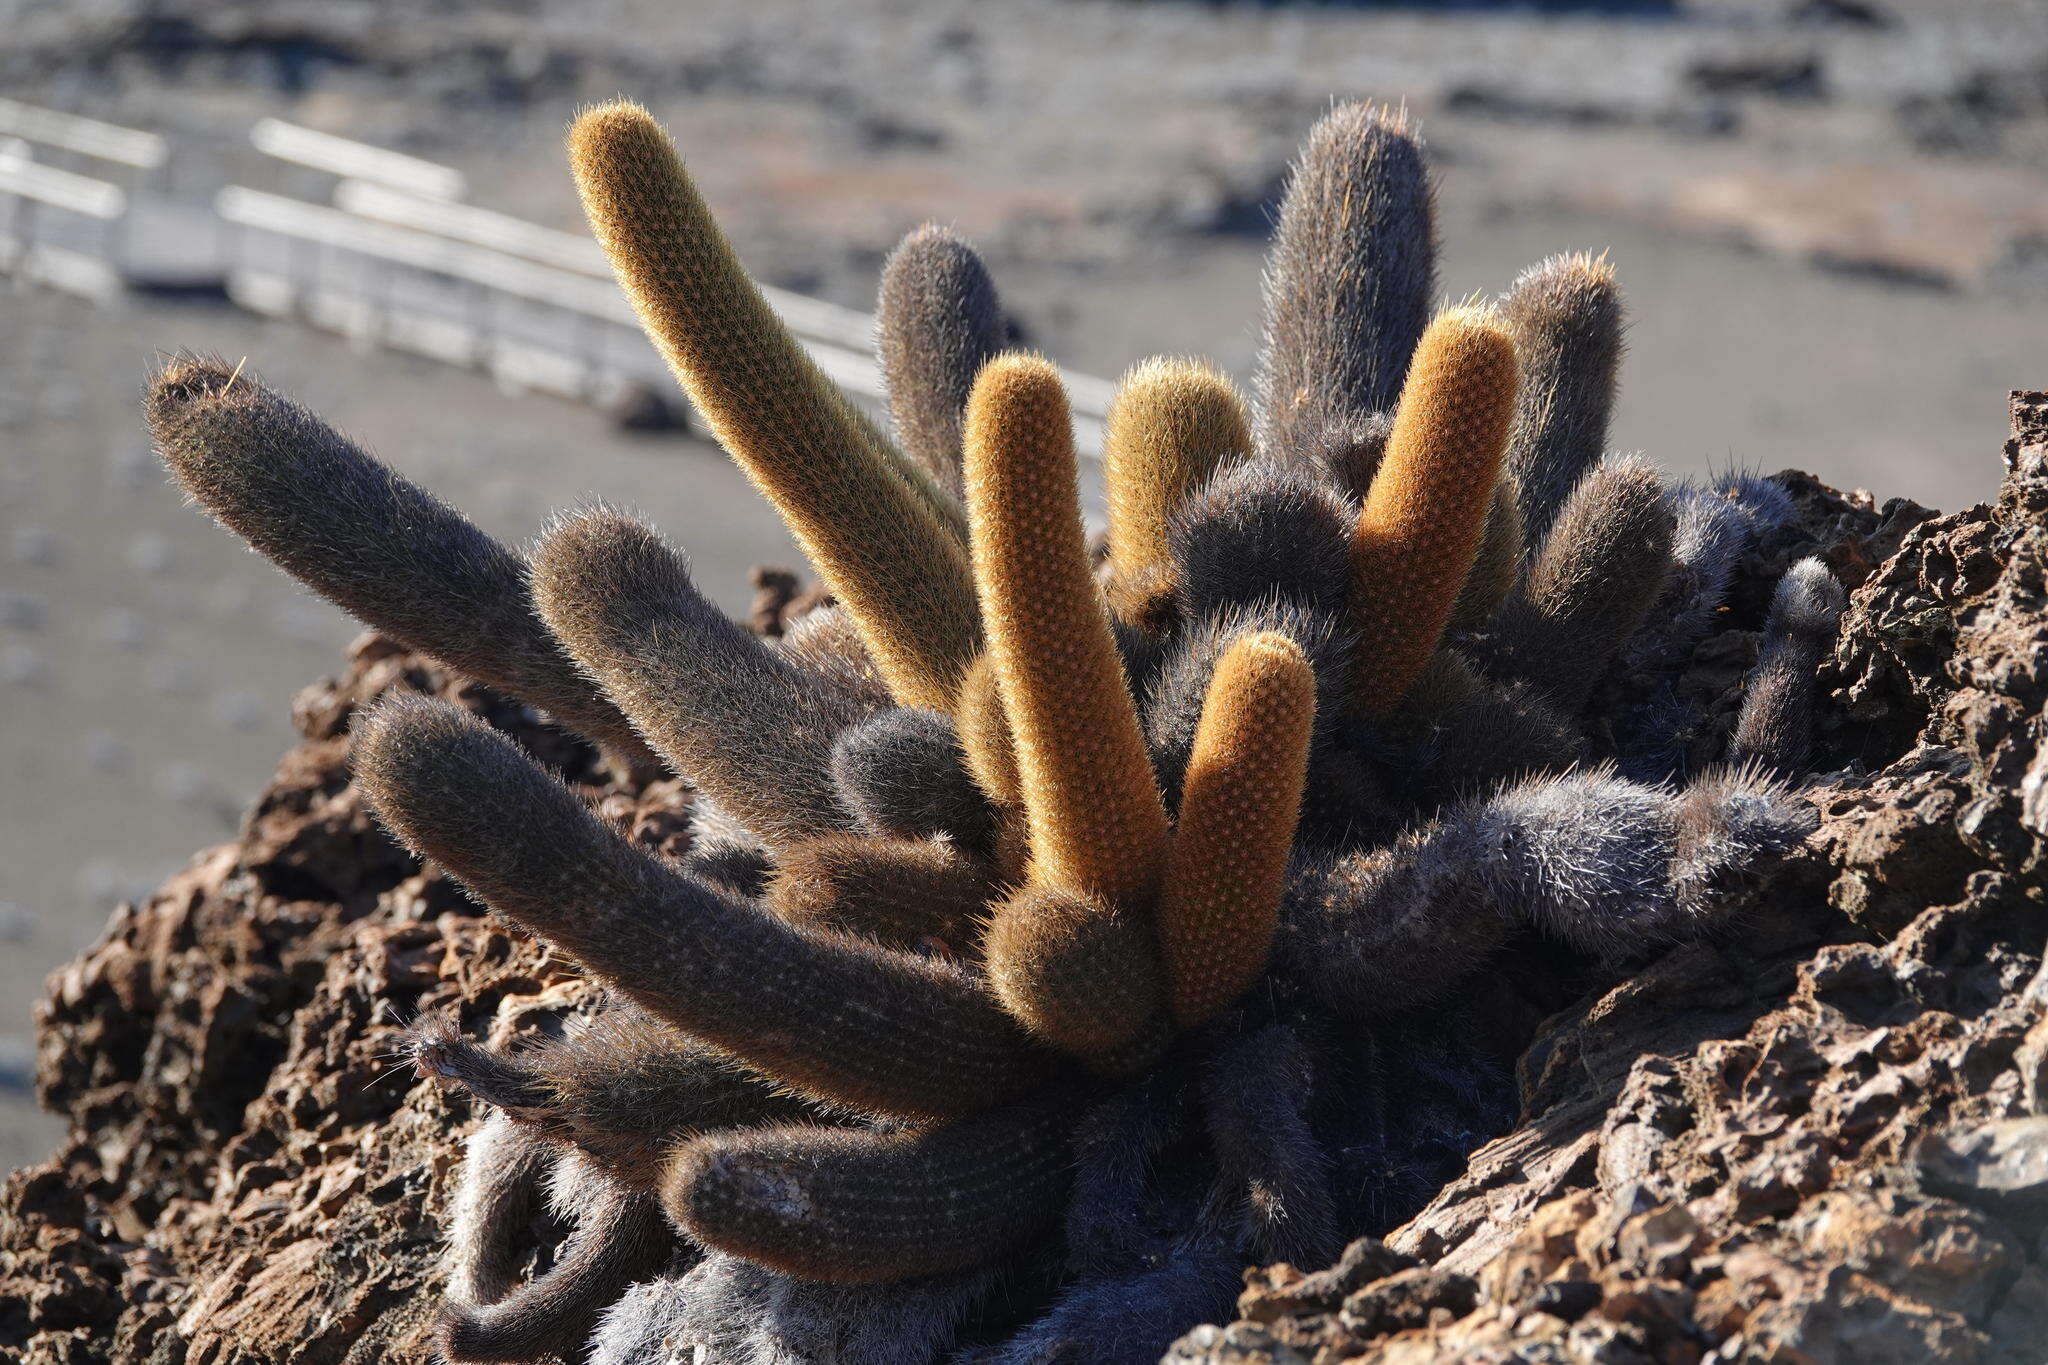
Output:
[[494, 269], [62, 189], [357, 160], [817, 320], [807, 317], [85, 136], [405, 211], [286, 217]]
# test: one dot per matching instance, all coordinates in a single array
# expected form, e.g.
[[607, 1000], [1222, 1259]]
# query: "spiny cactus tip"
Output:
[[186, 377], [1583, 268], [1017, 375], [607, 119]]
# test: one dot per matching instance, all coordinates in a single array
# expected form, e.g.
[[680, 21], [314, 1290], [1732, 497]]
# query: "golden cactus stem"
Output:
[[1220, 902], [1081, 973], [883, 534], [1097, 825], [1171, 424], [985, 735], [1422, 520]]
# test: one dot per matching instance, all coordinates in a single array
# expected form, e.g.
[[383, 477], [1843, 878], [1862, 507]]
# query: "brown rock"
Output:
[[1843, 1316], [2001, 1166], [1409, 1298], [1938, 1253], [252, 1175], [1281, 1291]]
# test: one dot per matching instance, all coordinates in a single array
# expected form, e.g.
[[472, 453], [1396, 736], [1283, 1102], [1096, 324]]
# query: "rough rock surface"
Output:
[[1826, 1138]]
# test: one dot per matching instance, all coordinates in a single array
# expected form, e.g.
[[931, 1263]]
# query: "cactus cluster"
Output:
[[1059, 934]]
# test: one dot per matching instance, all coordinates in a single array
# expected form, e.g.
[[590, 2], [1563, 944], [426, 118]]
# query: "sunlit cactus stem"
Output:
[[861, 511], [1171, 425], [1239, 804], [1422, 522], [1096, 821]]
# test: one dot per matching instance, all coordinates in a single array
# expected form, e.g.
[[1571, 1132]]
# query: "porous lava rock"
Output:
[[1822, 1138]]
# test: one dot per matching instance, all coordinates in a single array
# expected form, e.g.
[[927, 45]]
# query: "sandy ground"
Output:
[[1824, 282]]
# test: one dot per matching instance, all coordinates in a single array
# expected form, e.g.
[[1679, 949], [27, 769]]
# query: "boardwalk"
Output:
[[395, 260]]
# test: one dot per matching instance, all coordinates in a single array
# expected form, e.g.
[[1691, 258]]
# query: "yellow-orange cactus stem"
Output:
[[1172, 423], [1421, 524], [884, 535], [1220, 903], [1097, 825]]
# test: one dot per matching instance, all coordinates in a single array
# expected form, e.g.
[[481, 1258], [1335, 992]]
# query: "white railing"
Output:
[[841, 339], [807, 317], [585, 295], [357, 160], [81, 194], [59, 252], [262, 211], [84, 136], [476, 275], [467, 223]]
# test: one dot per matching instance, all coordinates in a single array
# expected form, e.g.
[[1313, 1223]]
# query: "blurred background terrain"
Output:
[[1831, 217]]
